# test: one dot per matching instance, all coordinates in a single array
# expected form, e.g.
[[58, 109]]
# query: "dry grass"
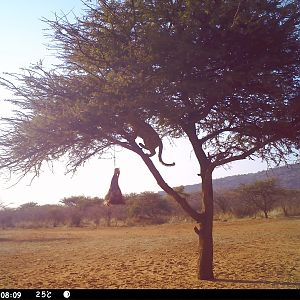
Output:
[[248, 254]]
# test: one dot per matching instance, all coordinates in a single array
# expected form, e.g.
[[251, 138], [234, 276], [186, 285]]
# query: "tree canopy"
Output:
[[228, 69]]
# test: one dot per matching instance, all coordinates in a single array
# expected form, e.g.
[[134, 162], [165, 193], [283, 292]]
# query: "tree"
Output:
[[3, 206], [260, 194], [223, 74], [222, 199], [5, 216], [288, 199], [148, 207], [54, 214], [77, 208], [28, 205], [177, 212]]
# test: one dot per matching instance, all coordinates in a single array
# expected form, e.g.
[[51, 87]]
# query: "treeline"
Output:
[[261, 198]]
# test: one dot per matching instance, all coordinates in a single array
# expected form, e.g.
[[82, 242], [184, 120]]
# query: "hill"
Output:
[[288, 177]]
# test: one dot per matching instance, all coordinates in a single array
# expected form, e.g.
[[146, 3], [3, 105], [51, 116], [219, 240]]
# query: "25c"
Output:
[[43, 294]]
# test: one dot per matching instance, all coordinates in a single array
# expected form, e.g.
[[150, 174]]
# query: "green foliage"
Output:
[[260, 194], [229, 68], [81, 202], [148, 207], [289, 200], [81, 207], [224, 201], [28, 205]]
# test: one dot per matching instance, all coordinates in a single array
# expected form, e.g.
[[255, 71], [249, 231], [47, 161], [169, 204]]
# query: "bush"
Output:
[[148, 208]]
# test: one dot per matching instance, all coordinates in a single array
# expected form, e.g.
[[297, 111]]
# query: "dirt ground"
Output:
[[248, 254]]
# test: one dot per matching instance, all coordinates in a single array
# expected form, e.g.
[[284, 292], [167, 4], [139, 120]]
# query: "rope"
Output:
[[114, 157]]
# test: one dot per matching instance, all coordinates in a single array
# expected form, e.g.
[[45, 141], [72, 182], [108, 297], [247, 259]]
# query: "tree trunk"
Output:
[[266, 214], [205, 219], [285, 211], [108, 217], [205, 261]]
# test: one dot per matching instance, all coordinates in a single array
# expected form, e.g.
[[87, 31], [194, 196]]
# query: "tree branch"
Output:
[[190, 131], [160, 181], [244, 155]]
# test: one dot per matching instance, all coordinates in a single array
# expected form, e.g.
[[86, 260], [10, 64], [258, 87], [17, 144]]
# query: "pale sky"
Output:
[[23, 43]]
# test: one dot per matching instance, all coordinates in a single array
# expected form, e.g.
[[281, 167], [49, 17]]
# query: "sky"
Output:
[[23, 42]]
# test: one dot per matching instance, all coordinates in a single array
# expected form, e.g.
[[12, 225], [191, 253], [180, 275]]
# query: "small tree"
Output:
[[289, 199], [96, 210], [192, 199], [223, 74], [261, 194], [148, 207], [28, 205], [76, 206], [6, 216], [222, 199], [56, 214]]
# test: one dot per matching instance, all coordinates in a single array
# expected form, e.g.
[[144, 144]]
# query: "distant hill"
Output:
[[288, 177]]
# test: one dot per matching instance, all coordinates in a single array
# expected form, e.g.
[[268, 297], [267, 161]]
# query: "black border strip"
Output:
[[58, 294]]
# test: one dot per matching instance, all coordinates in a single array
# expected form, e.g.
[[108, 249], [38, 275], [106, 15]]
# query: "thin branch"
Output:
[[236, 13], [244, 155]]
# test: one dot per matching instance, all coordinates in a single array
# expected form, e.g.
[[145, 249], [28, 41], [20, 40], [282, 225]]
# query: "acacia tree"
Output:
[[223, 74], [222, 199], [148, 207], [260, 194], [289, 199]]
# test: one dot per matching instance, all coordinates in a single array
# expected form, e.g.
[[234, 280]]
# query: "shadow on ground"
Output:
[[37, 240], [257, 282]]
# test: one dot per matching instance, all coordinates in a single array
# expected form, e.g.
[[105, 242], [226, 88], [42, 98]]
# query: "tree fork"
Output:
[[198, 217]]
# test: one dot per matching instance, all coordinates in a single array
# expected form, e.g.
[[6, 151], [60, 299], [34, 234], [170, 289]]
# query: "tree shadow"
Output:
[[37, 240], [257, 281], [5, 240]]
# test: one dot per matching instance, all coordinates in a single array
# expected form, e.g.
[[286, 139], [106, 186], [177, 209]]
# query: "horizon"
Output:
[[161, 191]]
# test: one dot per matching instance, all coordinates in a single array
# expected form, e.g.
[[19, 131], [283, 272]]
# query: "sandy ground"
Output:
[[248, 254]]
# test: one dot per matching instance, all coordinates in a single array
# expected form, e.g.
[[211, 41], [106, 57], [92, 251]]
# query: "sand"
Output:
[[248, 253]]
